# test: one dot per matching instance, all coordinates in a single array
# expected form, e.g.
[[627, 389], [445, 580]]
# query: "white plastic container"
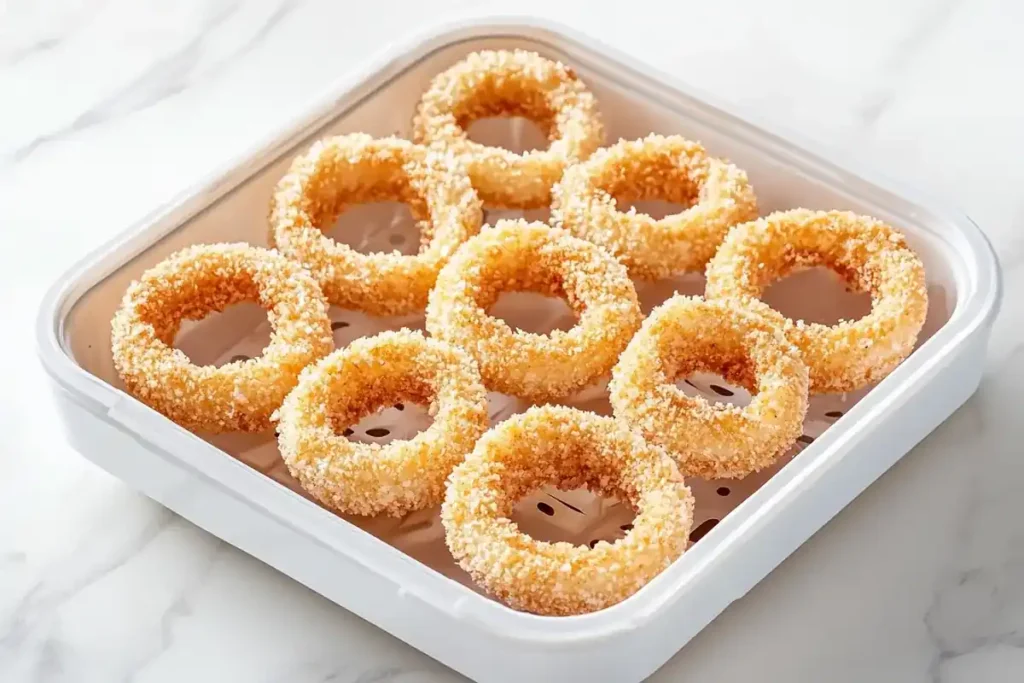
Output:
[[397, 574]]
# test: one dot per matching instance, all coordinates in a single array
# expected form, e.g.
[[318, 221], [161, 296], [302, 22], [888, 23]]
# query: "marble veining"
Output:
[[112, 106]]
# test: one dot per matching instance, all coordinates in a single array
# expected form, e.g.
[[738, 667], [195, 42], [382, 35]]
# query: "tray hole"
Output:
[[714, 388], [577, 516], [391, 423], [594, 543], [723, 491], [702, 529], [239, 358], [416, 522], [209, 341], [374, 227], [805, 439], [816, 295], [834, 414], [347, 432], [567, 504], [517, 134], [626, 527], [532, 312], [338, 325]]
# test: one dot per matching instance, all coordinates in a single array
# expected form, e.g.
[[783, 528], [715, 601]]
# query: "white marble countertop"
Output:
[[111, 106]]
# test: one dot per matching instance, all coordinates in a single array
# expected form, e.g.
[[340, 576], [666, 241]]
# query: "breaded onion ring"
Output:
[[566, 448], [656, 167], [684, 335], [238, 396], [511, 83], [370, 373], [357, 168], [868, 254], [519, 256]]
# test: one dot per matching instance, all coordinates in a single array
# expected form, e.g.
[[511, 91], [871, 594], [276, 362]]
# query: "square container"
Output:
[[397, 574]]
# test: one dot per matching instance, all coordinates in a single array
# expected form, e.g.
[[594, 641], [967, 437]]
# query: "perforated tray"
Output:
[[549, 514], [237, 486]]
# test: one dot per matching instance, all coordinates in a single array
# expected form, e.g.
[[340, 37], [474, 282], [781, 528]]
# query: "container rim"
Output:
[[977, 306]]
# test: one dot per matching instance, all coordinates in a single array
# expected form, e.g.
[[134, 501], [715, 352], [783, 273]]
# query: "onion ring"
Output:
[[686, 334], [238, 396], [359, 168], [517, 255], [655, 167], [868, 254], [567, 448], [394, 478], [511, 83]]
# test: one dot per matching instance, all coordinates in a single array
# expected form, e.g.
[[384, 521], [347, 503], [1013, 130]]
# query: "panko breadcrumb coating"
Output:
[[717, 194], [566, 448], [685, 335], [511, 83], [371, 373], [190, 284], [520, 256], [868, 254], [356, 168]]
